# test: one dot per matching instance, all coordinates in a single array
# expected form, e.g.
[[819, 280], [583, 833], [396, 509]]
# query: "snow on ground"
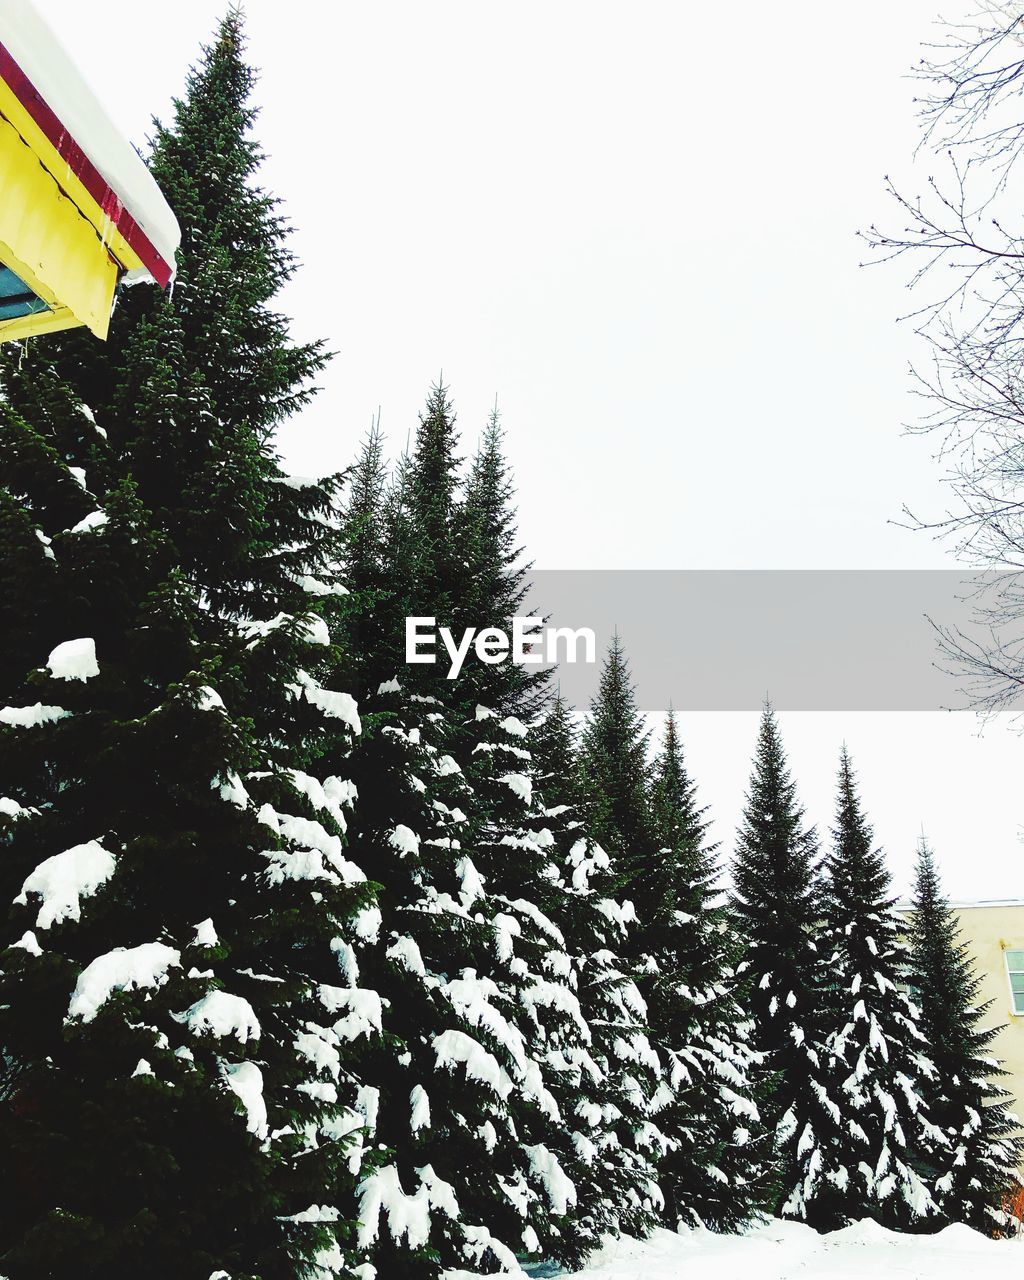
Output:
[[790, 1251], [782, 1250]]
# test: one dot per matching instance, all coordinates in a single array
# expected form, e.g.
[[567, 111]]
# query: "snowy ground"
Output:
[[788, 1251]]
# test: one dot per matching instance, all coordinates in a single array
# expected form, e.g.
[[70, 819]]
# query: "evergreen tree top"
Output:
[[364, 513], [679, 820], [234, 257], [556, 733], [489, 513], [496, 577], [613, 762], [776, 853], [944, 975], [858, 881], [434, 468]]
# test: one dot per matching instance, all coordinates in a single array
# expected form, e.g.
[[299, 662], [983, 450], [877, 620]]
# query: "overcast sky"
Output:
[[634, 224]]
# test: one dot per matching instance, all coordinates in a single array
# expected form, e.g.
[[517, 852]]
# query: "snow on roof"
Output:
[[83, 125], [967, 904], [986, 902]]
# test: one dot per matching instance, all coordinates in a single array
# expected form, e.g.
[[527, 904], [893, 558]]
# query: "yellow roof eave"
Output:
[[47, 242], [15, 113]]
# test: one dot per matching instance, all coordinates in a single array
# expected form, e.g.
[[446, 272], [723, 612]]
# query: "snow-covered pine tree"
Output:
[[608, 1141], [186, 396], [613, 775], [778, 912], [527, 972], [718, 1170], [585, 1012], [875, 1155], [965, 1098], [434, 1097], [172, 1030], [467, 971]]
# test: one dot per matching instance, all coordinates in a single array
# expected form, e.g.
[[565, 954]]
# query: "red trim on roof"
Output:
[[83, 168]]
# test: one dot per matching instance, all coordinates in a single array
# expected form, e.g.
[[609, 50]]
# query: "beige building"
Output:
[[994, 933]]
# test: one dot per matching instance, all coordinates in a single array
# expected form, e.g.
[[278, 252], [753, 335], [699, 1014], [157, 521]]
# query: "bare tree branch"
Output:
[[964, 240]]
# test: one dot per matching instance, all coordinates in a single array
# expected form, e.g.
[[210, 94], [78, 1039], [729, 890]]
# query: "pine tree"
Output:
[[483, 1032], [432, 482], [430, 1114], [613, 765], [873, 1154], [610, 1140], [172, 541], [497, 585], [219, 353], [965, 1099], [778, 914], [491, 889], [164, 958], [717, 1171], [444, 823], [613, 780], [370, 646]]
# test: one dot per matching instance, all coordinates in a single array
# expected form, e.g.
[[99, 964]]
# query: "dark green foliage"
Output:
[[680, 951], [778, 911], [871, 1153], [688, 957], [497, 586], [191, 386], [155, 522], [613, 766], [116, 1171], [608, 1142], [965, 1098]]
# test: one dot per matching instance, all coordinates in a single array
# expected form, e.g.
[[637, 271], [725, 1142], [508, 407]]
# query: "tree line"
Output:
[[317, 964]]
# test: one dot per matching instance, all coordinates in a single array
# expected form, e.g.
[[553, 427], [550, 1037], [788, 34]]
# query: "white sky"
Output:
[[634, 223]]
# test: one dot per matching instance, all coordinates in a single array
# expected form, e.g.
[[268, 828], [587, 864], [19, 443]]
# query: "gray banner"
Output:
[[808, 640]]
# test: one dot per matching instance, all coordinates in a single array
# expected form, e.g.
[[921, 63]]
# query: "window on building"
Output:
[[1015, 968], [16, 298]]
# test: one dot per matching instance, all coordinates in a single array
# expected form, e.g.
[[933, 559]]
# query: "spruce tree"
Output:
[[491, 888], [778, 913], [613, 765], [430, 506], [437, 1118], [463, 954], [717, 1171], [220, 352], [610, 1139], [196, 568], [613, 777], [167, 965], [965, 1098], [483, 1034], [874, 1153], [497, 585]]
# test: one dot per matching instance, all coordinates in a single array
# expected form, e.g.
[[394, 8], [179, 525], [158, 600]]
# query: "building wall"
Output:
[[990, 929]]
